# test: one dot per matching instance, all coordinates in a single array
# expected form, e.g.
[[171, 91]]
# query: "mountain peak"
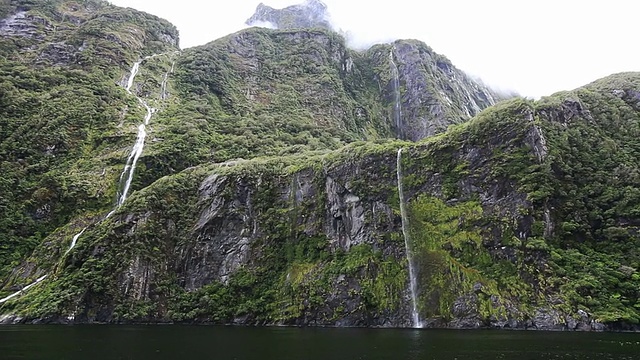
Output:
[[309, 14]]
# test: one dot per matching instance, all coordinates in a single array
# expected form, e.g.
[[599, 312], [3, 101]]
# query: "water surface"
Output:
[[208, 342]]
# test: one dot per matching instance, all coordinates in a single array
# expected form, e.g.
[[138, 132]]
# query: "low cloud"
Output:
[[264, 24], [536, 48]]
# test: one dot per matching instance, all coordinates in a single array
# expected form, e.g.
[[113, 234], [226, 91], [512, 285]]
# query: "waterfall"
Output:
[[74, 241], [413, 282], [397, 107], [132, 76], [126, 177], [136, 151], [39, 280], [127, 174], [163, 87]]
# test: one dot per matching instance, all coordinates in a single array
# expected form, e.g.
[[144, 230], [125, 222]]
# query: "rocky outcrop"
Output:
[[310, 14]]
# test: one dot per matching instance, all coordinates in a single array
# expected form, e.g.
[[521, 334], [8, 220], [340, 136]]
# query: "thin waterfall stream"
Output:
[[126, 176], [21, 291], [397, 107], [413, 281], [129, 169]]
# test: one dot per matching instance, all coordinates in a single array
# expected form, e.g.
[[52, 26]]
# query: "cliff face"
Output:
[[433, 94], [258, 92], [268, 191], [317, 239]]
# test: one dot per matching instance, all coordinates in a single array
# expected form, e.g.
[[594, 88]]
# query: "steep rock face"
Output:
[[321, 93], [504, 210], [317, 240], [425, 96], [275, 71], [434, 94], [255, 93], [82, 35], [310, 14]]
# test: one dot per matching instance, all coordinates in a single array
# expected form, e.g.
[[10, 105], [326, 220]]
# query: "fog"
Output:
[[533, 47]]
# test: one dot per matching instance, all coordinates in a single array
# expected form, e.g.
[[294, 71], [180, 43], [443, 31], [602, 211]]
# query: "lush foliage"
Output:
[[61, 115]]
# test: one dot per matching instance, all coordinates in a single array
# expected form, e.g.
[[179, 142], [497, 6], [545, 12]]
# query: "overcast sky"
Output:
[[533, 47]]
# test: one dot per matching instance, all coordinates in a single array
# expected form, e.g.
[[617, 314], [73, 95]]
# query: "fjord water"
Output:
[[209, 342]]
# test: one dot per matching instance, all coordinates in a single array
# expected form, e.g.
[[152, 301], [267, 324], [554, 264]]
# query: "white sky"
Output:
[[533, 47]]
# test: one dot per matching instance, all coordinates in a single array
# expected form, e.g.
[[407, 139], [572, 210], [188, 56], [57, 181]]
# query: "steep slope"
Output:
[[69, 125], [65, 123], [526, 216], [504, 212], [267, 92], [426, 91]]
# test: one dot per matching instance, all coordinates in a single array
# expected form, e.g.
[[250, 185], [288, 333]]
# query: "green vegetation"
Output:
[[594, 195], [435, 234], [60, 147]]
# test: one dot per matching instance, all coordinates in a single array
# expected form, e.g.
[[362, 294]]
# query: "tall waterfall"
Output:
[[127, 174], [126, 177], [397, 106], [413, 282]]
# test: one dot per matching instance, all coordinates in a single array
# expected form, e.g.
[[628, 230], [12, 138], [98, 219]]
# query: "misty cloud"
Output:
[[264, 24], [536, 47]]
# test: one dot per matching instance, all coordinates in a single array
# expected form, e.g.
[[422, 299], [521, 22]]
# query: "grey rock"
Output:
[[548, 319], [435, 93], [23, 24], [310, 14], [10, 319]]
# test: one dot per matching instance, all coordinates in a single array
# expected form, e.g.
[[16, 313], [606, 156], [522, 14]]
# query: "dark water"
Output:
[[204, 342]]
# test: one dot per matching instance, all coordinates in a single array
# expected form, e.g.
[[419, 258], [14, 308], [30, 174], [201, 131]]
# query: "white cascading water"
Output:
[[413, 281], [397, 107], [132, 75], [74, 241], [126, 177], [136, 151], [17, 293], [127, 173]]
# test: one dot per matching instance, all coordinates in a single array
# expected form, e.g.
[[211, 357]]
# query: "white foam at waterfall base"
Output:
[[413, 282]]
